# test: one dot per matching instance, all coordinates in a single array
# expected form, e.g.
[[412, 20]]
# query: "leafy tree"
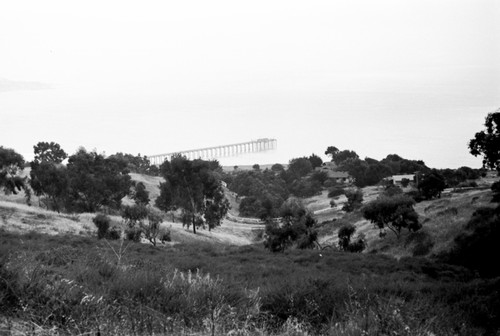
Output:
[[265, 192], [345, 234], [11, 165], [195, 187], [51, 180], [345, 155], [102, 223], [305, 187], [141, 195], [399, 165], [315, 160], [137, 164], [357, 169], [375, 172], [392, 190], [336, 191], [299, 167], [431, 185], [277, 167], [332, 151], [49, 152], [339, 156], [48, 175], [165, 200], [405, 182], [133, 215], [256, 167], [96, 181], [297, 228], [354, 200], [151, 226], [319, 176], [395, 213], [487, 142], [216, 209]]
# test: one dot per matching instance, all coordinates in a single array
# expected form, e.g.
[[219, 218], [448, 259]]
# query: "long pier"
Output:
[[260, 145]]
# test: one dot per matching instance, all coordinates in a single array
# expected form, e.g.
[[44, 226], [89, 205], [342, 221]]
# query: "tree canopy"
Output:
[[11, 164], [48, 175], [194, 186], [431, 185], [297, 228], [394, 212], [96, 181], [487, 142]]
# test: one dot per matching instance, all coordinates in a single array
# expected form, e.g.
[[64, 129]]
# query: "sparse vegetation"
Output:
[[85, 283]]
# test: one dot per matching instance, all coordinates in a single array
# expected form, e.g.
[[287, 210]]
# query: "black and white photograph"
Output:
[[250, 168]]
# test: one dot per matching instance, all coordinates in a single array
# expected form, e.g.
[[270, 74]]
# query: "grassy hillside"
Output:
[[71, 284], [57, 278]]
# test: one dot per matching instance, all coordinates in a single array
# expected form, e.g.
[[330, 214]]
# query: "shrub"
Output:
[[165, 236], [354, 200], [420, 242], [394, 213], [133, 234], [476, 247], [102, 222], [114, 233], [416, 195], [336, 191]]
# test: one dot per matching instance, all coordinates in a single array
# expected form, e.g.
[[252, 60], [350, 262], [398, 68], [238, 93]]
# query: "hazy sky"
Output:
[[414, 78]]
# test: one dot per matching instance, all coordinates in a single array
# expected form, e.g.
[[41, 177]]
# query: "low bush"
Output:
[[102, 222], [74, 285], [134, 234], [114, 233], [336, 191]]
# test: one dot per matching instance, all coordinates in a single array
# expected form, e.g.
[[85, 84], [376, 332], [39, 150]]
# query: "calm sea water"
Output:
[[425, 116]]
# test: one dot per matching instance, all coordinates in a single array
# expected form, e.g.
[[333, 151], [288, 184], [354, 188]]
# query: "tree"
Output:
[[137, 164], [50, 179], [339, 156], [151, 227], [49, 152], [487, 142], [345, 234], [165, 200], [405, 182], [297, 228], [395, 213], [277, 168], [216, 209], [96, 181], [48, 175], [195, 187], [315, 160], [11, 165], [299, 167], [431, 185], [141, 195], [357, 169], [332, 151], [256, 167], [354, 200]]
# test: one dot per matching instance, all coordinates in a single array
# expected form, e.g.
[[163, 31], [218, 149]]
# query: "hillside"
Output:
[[442, 220], [221, 282], [16, 216]]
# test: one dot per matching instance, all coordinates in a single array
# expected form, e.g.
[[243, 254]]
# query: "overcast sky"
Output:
[[414, 78]]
